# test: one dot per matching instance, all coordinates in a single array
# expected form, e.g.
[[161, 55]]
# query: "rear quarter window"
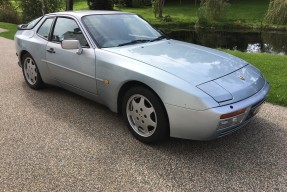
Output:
[[33, 23], [30, 25]]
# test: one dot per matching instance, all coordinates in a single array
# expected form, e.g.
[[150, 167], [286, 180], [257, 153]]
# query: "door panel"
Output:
[[66, 65], [70, 68]]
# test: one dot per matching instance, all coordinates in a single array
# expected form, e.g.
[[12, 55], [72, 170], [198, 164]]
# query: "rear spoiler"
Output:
[[22, 27]]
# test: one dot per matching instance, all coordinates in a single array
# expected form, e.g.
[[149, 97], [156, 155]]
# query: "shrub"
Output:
[[8, 13], [128, 3], [32, 9], [277, 12], [3, 2], [212, 10], [136, 3], [100, 4]]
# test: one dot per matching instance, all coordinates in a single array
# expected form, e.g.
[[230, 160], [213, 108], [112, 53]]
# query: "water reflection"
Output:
[[267, 42]]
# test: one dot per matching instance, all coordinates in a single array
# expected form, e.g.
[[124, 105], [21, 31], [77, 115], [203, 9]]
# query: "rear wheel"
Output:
[[31, 72], [145, 115]]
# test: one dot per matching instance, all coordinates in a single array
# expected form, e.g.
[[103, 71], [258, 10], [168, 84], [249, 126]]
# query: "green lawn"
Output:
[[274, 68], [243, 13], [80, 5], [12, 28], [250, 11], [180, 13]]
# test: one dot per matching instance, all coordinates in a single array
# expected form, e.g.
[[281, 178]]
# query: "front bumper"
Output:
[[203, 125]]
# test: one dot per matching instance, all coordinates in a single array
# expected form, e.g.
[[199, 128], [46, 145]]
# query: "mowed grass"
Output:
[[243, 12], [250, 11], [12, 29], [274, 69], [180, 13], [80, 5]]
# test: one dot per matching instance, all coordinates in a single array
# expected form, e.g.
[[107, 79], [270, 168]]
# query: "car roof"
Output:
[[87, 12]]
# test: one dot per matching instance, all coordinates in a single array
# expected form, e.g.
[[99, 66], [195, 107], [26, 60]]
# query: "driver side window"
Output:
[[68, 29]]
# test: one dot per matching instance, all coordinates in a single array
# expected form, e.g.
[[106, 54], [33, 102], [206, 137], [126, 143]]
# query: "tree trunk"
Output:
[[69, 5], [161, 4], [43, 7]]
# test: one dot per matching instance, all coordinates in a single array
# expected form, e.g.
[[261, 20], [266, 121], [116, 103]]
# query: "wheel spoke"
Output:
[[33, 66], [145, 129], [149, 111], [150, 122], [141, 104], [131, 113], [135, 104]]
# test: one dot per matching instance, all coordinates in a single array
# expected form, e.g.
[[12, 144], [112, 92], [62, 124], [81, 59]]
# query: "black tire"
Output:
[[145, 115], [31, 73]]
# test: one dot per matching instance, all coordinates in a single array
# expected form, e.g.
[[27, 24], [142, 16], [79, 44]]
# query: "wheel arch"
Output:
[[128, 85], [24, 52]]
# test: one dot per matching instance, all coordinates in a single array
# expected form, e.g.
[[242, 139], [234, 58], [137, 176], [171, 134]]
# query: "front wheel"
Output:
[[145, 115]]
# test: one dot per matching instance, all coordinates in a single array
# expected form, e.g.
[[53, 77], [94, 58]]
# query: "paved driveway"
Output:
[[53, 140]]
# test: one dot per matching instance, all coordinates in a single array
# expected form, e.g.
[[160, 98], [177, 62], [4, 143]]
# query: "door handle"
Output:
[[51, 50]]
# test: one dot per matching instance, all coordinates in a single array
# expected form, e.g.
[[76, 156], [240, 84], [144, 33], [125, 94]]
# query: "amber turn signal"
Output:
[[235, 113]]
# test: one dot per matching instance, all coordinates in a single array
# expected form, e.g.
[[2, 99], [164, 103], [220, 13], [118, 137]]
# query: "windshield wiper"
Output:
[[159, 38], [134, 42], [143, 40]]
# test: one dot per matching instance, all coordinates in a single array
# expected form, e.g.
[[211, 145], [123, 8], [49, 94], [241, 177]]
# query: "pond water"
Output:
[[267, 42]]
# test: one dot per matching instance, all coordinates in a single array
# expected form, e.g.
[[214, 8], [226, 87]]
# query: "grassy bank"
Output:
[[274, 68], [12, 28], [247, 14]]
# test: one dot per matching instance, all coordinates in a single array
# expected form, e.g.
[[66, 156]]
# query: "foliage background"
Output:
[[212, 10], [8, 12], [100, 4], [33, 9], [277, 12]]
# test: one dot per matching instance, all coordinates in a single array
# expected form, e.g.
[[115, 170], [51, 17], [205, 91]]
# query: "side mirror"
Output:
[[72, 44]]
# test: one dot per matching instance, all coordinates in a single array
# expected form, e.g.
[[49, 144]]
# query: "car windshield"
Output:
[[120, 30]]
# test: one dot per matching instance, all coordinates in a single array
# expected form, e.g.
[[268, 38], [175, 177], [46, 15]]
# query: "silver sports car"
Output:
[[163, 87]]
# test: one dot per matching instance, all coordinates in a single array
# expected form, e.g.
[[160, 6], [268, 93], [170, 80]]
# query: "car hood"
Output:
[[192, 63]]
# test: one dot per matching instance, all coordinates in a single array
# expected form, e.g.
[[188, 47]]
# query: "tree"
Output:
[[30, 8], [4, 2], [43, 7], [8, 13], [69, 5], [277, 12], [158, 7], [161, 4], [212, 9]]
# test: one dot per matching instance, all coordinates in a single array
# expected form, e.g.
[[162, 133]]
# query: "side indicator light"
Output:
[[235, 113]]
